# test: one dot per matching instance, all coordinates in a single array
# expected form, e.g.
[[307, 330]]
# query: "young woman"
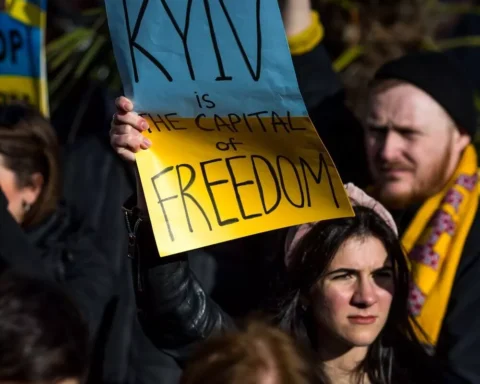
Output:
[[343, 294]]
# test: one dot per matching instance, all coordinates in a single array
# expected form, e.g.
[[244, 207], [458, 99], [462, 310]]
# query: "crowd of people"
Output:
[[387, 296]]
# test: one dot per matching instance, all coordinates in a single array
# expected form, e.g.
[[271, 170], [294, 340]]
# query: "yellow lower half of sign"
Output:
[[209, 180], [30, 90]]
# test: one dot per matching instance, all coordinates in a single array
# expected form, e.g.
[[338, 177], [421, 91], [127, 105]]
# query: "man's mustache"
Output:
[[396, 166]]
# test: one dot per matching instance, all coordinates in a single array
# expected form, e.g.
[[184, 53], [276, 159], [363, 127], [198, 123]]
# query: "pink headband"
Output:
[[358, 198]]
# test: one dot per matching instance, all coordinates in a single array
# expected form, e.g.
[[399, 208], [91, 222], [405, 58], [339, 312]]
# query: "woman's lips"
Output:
[[363, 320]]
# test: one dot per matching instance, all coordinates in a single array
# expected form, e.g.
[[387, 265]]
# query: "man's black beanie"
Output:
[[442, 78]]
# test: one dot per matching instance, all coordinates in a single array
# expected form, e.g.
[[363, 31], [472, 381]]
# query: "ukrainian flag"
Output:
[[22, 53]]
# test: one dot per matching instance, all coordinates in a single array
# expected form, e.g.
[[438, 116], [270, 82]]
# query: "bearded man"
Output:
[[418, 135]]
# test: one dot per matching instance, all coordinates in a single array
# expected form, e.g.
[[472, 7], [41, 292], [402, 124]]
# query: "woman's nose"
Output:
[[365, 293]]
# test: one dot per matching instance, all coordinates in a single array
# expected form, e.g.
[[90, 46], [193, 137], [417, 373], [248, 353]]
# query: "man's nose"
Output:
[[390, 146]]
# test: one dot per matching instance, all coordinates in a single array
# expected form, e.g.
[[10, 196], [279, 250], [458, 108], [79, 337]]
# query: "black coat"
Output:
[[459, 339], [67, 251], [15, 251], [60, 249], [96, 183]]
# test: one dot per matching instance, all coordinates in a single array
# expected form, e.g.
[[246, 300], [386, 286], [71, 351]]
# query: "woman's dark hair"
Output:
[[397, 346], [43, 337], [28, 144]]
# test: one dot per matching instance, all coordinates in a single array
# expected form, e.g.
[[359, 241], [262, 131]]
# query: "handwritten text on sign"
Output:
[[234, 152], [22, 57]]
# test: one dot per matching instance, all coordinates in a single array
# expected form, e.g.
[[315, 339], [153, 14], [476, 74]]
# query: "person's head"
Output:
[[29, 164], [258, 354], [43, 337], [346, 286], [421, 117]]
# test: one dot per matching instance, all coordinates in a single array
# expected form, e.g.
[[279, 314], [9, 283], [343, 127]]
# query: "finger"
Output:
[[123, 129], [123, 105], [133, 143], [130, 118], [126, 154]]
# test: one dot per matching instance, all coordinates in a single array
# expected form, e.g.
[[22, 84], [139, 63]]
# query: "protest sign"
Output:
[[22, 53], [234, 152]]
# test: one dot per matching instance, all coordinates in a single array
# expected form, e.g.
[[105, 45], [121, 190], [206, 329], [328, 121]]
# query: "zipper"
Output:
[[133, 250]]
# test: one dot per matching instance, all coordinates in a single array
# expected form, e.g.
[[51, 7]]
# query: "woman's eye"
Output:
[[343, 276], [384, 274]]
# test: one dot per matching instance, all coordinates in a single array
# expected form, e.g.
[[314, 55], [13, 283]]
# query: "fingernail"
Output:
[[144, 125], [147, 142]]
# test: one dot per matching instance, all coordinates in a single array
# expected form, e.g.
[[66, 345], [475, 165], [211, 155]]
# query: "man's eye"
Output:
[[377, 131], [408, 133]]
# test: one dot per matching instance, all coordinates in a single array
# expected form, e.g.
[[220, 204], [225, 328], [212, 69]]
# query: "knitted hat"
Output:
[[442, 78]]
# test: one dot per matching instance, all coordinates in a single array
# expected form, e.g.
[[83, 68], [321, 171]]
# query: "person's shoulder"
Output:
[[470, 259], [472, 242]]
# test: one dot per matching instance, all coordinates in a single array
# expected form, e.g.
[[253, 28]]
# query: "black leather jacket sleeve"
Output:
[[174, 310]]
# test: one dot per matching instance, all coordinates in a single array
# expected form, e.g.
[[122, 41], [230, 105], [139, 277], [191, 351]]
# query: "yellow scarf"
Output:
[[434, 242]]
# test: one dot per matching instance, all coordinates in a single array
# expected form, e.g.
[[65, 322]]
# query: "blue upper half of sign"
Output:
[[183, 56], [20, 48]]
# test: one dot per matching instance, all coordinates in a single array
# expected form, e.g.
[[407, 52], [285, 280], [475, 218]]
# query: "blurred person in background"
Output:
[[418, 134], [31, 181], [323, 91], [43, 336], [258, 354]]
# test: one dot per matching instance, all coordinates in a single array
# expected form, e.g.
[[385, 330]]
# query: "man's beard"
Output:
[[419, 190]]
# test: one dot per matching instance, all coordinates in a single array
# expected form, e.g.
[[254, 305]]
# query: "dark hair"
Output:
[[43, 337], [397, 344], [245, 356], [29, 145]]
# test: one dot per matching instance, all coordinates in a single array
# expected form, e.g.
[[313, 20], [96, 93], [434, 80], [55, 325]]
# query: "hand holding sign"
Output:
[[126, 130]]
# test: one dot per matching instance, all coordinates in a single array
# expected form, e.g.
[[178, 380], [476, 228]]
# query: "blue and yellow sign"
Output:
[[234, 152], [22, 53]]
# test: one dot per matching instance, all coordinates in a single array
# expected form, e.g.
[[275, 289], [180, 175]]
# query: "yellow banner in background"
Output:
[[22, 54]]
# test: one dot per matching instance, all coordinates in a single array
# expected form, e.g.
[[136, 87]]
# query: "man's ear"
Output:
[[32, 191], [462, 139]]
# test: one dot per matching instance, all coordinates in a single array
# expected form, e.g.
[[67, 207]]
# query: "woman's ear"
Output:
[[32, 191]]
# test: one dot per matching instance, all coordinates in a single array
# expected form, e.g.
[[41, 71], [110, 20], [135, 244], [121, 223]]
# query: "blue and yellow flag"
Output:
[[22, 53]]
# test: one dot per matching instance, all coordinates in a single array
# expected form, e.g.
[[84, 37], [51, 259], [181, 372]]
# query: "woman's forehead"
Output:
[[361, 253]]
